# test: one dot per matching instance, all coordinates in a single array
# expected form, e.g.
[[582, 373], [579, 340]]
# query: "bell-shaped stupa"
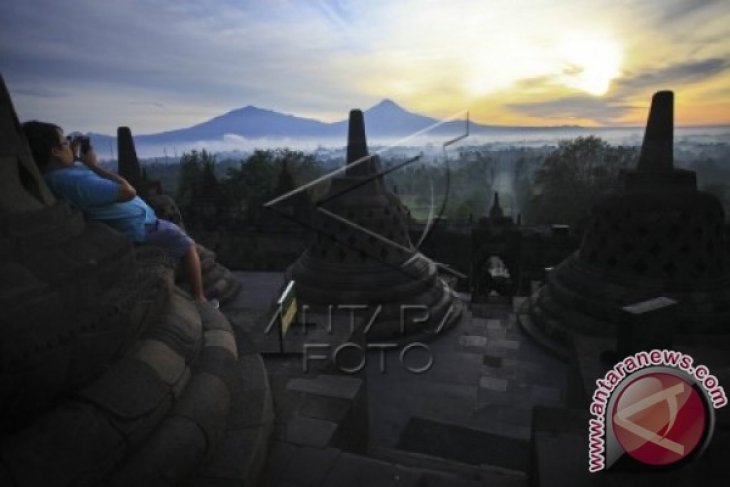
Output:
[[362, 253], [110, 374], [656, 236]]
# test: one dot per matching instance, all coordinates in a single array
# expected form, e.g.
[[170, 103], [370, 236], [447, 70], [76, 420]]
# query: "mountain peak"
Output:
[[386, 104], [250, 109]]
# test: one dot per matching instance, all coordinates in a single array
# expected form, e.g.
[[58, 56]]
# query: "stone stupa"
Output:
[[657, 236], [218, 281], [109, 373], [362, 253]]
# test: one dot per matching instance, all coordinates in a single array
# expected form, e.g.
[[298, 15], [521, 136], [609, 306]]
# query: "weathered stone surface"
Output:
[[221, 338], [326, 408], [14, 195], [23, 188], [165, 207], [213, 319], [175, 450], [92, 350], [180, 327], [206, 255], [74, 343], [46, 227], [280, 453], [352, 469], [216, 361], [241, 454], [309, 466], [310, 432], [645, 326], [217, 287], [657, 151], [166, 362], [245, 344], [328, 385], [251, 366], [206, 402], [214, 274], [128, 163], [130, 389], [28, 390], [234, 456], [43, 454], [218, 282], [249, 408]]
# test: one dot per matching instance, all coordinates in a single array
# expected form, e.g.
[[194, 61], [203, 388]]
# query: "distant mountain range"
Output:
[[387, 118]]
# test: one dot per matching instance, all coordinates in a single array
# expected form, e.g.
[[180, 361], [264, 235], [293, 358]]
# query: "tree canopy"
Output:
[[238, 197], [571, 179]]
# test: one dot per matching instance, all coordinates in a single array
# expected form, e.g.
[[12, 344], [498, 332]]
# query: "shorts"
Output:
[[169, 237]]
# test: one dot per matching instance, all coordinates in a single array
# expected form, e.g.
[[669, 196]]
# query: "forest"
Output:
[[542, 185]]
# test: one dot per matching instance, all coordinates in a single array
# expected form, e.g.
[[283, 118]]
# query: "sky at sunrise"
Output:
[[157, 65]]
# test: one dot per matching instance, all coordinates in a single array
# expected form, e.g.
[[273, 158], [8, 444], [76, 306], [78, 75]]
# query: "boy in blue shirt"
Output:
[[107, 197]]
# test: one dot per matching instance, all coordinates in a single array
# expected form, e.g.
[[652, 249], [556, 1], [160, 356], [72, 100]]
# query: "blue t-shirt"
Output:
[[97, 198]]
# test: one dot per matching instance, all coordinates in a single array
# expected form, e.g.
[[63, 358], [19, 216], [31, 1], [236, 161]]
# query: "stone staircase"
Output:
[[321, 426]]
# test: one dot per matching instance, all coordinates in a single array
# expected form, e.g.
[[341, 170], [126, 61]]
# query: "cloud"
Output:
[[201, 58], [673, 75], [39, 92], [147, 104], [680, 10], [575, 107], [616, 106], [213, 53]]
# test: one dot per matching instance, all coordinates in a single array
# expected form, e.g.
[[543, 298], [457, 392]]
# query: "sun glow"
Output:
[[590, 65], [547, 63]]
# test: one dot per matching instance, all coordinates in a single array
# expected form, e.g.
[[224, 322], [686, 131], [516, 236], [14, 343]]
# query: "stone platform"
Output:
[[486, 378], [466, 421]]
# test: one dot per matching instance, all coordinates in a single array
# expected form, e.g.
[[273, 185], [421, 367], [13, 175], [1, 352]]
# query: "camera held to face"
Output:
[[80, 141]]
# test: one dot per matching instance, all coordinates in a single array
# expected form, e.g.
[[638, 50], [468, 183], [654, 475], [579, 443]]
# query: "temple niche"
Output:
[[496, 250], [109, 373], [658, 236], [362, 253]]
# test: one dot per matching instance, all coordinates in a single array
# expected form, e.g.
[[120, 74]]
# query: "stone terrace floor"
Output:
[[472, 407], [486, 378]]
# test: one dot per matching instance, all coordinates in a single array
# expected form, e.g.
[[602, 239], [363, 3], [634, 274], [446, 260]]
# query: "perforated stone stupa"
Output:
[[109, 374], [362, 254], [657, 236]]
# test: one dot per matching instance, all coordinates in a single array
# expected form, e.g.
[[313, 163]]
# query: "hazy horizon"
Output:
[[640, 126], [529, 139]]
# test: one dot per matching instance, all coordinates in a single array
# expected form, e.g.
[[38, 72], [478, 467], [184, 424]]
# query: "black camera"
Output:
[[77, 139]]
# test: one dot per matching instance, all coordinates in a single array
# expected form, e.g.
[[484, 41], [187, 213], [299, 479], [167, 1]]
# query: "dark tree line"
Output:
[[573, 177], [208, 201], [558, 185]]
